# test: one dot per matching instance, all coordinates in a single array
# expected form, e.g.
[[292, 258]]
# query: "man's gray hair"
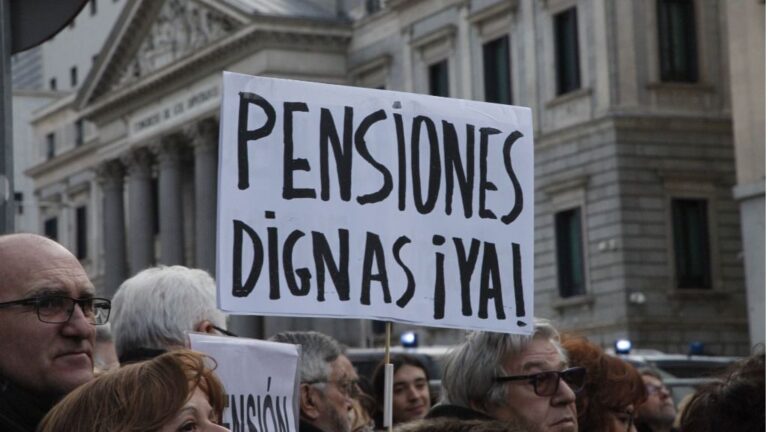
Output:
[[318, 351], [471, 368], [158, 307]]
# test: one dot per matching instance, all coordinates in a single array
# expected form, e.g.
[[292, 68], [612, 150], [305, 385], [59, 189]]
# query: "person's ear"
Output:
[[205, 326], [308, 402]]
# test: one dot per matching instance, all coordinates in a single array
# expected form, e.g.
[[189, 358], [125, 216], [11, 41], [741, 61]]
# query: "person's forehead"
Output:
[[342, 368], [540, 354], [43, 268], [650, 379], [409, 373]]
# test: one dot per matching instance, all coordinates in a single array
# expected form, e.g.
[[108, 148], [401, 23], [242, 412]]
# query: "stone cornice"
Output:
[[326, 36], [61, 160]]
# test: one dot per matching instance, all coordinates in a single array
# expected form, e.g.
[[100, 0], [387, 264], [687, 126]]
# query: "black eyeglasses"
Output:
[[57, 309], [547, 383], [348, 387], [224, 332]]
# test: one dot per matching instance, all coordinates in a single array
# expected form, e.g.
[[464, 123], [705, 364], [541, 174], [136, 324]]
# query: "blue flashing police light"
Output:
[[623, 346], [409, 339], [696, 348]]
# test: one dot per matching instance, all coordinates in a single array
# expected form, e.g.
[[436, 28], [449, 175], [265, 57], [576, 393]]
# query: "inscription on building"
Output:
[[174, 109]]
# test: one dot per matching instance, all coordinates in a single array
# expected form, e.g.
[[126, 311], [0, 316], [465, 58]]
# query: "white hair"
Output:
[[158, 307]]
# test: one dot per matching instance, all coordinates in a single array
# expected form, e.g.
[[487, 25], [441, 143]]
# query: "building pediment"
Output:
[[151, 35], [159, 44], [180, 28]]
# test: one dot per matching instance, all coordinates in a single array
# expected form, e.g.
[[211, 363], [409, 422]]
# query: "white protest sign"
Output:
[[358, 203], [261, 380]]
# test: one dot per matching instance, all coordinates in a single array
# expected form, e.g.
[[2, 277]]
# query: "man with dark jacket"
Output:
[[512, 378], [48, 311]]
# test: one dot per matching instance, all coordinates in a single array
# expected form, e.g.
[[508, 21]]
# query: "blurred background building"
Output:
[[649, 128]]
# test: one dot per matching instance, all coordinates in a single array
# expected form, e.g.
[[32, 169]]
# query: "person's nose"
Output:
[[564, 394], [664, 393], [218, 428], [413, 393], [79, 325]]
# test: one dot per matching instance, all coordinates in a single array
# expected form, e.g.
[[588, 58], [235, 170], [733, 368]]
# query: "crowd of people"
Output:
[[71, 361]]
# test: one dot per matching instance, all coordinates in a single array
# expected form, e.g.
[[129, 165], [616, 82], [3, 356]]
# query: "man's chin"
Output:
[[73, 379]]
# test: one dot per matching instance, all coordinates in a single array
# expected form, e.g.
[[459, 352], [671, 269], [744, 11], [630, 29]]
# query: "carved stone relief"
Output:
[[181, 27]]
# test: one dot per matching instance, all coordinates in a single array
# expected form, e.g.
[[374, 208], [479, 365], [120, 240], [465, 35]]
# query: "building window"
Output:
[[52, 84], [19, 198], [50, 146], [81, 232], [567, 51], [677, 41], [79, 133], [496, 71], [570, 253], [438, 78], [94, 7], [73, 76], [372, 6], [51, 228], [691, 242]]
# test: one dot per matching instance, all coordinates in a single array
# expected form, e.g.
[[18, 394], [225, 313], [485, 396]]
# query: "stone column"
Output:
[[110, 176], [169, 153], [140, 210], [205, 138], [205, 141]]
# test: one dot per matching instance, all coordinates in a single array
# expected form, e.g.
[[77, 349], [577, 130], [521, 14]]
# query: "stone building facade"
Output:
[[637, 232]]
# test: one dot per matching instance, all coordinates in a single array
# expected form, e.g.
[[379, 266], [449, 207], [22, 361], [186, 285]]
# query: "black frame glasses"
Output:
[[547, 383], [223, 331], [58, 309]]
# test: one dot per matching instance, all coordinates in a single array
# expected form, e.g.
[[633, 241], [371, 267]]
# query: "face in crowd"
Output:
[[410, 396], [47, 358], [622, 420], [196, 415], [659, 408], [329, 404], [545, 404]]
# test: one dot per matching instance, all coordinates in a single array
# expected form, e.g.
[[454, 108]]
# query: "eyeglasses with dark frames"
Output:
[[223, 331], [547, 383], [58, 309]]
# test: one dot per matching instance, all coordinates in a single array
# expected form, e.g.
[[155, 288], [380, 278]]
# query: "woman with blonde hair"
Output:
[[174, 392]]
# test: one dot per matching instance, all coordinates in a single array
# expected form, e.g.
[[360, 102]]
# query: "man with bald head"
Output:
[[48, 311]]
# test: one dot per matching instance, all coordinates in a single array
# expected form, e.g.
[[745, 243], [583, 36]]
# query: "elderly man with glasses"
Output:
[[48, 314], [658, 412], [328, 382], [524, 380]]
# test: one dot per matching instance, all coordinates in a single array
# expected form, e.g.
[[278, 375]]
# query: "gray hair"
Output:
[[467, 380], [158, 307], [318, 351]]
